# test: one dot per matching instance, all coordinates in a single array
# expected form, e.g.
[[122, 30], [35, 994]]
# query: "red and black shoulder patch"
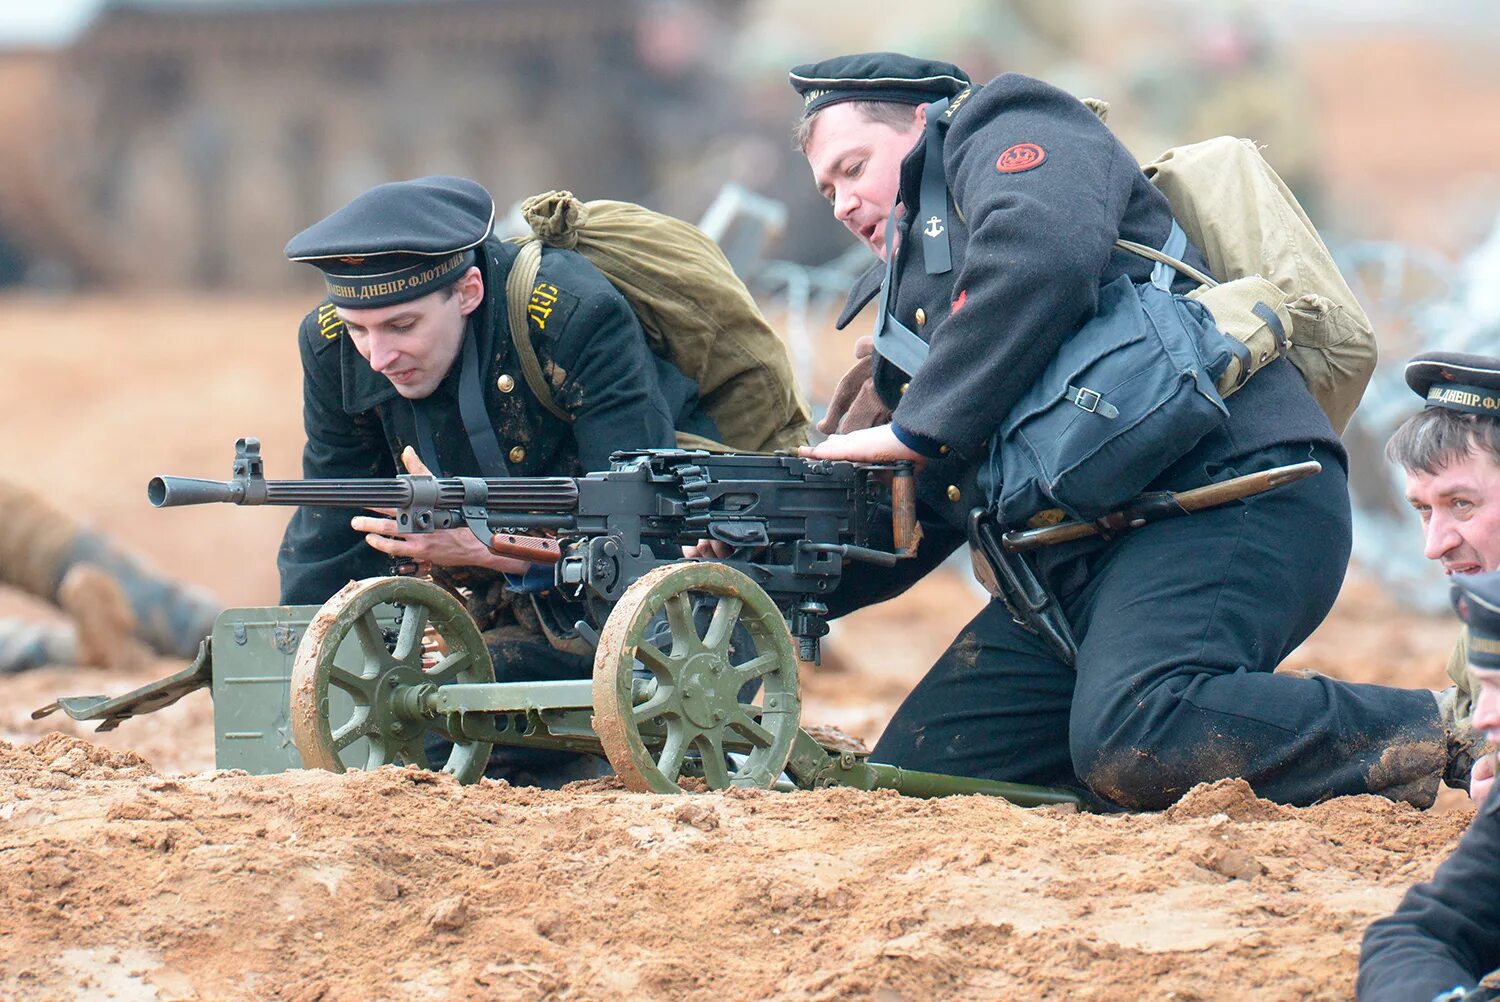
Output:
[[1022, 156]]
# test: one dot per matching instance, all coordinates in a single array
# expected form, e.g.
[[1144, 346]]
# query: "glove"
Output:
[[1466, 746], [855, 404]]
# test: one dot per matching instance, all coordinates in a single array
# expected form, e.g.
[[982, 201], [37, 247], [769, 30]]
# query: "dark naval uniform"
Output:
[[1446, 933], [621, 396], [1179, 624], [591, 349]]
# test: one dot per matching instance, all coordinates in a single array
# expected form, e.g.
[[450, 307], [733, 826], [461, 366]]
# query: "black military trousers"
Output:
[[1179, 627]]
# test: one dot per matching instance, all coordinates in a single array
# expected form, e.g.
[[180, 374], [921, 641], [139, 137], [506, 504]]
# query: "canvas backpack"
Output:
[[1280, 292], [696, 312]]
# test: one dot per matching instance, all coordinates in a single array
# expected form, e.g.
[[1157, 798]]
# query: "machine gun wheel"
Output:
[[691, 699], [389, 687]]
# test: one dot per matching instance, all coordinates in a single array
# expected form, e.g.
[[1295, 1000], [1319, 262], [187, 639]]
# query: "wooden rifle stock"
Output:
[[536, 549], [1155, 507]]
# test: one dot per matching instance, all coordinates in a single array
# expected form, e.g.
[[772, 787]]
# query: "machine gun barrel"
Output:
[[170, 492], [520, 495]]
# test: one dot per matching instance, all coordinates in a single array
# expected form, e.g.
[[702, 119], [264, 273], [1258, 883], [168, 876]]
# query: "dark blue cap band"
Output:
[[1476, 599], [368, 291], [1463, 397]]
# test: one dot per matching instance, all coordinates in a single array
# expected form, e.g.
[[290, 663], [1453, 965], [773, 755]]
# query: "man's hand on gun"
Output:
[[443, 548]]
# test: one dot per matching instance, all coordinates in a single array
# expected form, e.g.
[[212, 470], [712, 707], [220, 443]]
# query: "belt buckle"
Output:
[[1091, 396]]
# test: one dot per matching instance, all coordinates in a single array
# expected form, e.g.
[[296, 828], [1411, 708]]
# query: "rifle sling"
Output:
[[426, 443]]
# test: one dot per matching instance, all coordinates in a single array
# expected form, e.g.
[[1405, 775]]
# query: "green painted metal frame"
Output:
[[255, 645]]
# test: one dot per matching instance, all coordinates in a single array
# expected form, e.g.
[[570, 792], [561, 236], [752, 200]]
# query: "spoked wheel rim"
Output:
[[692, 693], [388, 686]]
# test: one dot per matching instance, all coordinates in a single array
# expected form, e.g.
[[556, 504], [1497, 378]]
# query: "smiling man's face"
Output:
[[1459, 504]]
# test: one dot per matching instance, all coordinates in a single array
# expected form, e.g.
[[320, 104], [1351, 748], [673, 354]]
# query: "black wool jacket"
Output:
[[1446, 932], [1031, 250], [1039, 190]]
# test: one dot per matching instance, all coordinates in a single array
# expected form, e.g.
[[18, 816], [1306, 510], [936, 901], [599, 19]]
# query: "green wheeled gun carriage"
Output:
[[695, 671]]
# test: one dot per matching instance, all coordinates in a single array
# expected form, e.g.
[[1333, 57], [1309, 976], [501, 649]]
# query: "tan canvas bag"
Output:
[[696, 313], [1258, 240]]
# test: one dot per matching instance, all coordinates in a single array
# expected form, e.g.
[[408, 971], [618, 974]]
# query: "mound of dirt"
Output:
[[1232, 798], [402, 884], [62, 755]]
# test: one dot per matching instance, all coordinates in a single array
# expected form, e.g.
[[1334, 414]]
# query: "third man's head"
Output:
[[1451, 454]]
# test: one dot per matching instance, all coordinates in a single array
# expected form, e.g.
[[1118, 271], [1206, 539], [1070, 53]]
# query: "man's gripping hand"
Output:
[[868, 445], [443, 548]]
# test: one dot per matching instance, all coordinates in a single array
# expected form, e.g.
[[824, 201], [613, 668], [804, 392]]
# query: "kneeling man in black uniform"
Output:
[[411, 361], [1179, 625], [1445, 936]]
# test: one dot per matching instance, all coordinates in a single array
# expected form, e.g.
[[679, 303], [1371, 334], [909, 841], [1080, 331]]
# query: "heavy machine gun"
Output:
[[695, 676], [790, 523]]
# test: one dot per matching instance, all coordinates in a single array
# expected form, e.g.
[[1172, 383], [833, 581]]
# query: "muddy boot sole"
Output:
[[104, 620]]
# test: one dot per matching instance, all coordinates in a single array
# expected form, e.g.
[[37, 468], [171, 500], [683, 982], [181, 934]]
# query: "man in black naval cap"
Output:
[[410, 360], [1445, 936], [995, 252], [1450, 451]]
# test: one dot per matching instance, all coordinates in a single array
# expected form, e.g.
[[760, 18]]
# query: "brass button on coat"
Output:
[[505, 382], [921, 316], [517, 454], [943, 450], [905, 387], [953, 493]]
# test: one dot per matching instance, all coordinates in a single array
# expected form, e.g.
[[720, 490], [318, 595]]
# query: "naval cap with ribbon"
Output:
[[1476, 599], [875, 76], [398, 241], [1456, 381]]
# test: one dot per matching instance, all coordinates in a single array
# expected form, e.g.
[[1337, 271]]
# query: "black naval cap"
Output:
[[1455, 381], [398, 241], [1476, 599], [875, 76]]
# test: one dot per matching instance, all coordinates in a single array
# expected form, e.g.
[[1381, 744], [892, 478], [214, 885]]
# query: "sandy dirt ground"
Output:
[[131, 870]]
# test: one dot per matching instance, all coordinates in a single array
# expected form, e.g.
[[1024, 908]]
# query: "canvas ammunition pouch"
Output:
[[1130, 393], [696, 313]]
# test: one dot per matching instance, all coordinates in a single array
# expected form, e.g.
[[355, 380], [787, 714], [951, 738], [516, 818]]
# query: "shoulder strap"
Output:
[[932, 196], [1168, 257], [518, 286], [894, 341]]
